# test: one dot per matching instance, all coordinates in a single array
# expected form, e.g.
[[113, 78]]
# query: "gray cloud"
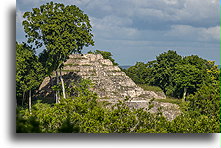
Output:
[[190, 33], [196, 13], [145, 19], [146, 27]]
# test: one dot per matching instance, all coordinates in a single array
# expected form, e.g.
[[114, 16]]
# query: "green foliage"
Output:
[[173, 73], [150, 88], [206, 100], [61, 29], [170, 100], [83, 113], [105, 54], [186, 76], [29, 71], [69, 126], [202, 110], [120, 119], [188, 123], [164, 69], [64, 30], [139, 73], [26, 125]]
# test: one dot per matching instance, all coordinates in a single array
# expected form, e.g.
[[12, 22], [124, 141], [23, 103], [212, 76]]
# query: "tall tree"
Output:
[[177, 76], [139, 72], [61, 29], [186, 79], [29, 72], [164, 69]]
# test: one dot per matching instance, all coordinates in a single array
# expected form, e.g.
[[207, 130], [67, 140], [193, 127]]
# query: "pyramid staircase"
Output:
[[111, 84]]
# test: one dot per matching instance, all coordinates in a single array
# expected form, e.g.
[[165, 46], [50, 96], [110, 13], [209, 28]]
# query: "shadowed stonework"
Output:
[[111, 84]]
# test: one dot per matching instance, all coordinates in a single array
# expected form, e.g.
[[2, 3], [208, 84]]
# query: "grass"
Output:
[[71, 64], [150, 88], [94, 71], [158, 89], [70, 70], [170, 100]]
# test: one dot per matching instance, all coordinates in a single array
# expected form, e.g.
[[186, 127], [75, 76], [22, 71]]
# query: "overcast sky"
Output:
[[139, 30]]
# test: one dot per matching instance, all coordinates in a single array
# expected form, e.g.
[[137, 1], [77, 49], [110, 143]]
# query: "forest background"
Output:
[[9, 139]]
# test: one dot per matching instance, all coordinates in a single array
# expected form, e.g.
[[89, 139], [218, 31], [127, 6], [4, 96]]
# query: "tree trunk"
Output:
[[57, 94], [29, 101], [52, 84], [50, 80], [62, 83], [184, 94], [23, 98]]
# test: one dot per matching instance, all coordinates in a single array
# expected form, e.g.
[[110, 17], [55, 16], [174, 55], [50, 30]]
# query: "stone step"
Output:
[[111, 68], [110, 83], [105, 62], [106, 76]]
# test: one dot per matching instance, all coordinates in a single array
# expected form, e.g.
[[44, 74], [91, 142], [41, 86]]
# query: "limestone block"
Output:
[[93, 57], [112, 68], [76, 56], [71, 68], [127, 83], [110, 82], [138, 91], [87, 68], [131, 93], [99, 56], [44, 83], [84, 62], [105, 62], [115, 73], [85, 73], [70, 61], [152, 94], [169, 110]]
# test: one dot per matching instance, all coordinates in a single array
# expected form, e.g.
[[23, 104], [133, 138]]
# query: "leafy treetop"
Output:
[[174, 74], [61, 29], [29, 71]]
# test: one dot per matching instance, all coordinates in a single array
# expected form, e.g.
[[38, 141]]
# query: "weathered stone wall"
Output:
[[110, 82]]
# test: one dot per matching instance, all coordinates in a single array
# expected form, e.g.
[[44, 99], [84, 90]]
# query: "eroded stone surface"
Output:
[[110, 82]]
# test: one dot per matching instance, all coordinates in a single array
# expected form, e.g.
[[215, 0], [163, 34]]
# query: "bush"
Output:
[[84, 114]]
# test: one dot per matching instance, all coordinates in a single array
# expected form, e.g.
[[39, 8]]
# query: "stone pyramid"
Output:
[[111, 84]]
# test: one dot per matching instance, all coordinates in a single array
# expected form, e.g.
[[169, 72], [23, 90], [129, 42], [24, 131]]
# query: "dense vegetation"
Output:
[[177, 76], [63, 30], [191, 78], [84, 114], [29, 72]]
